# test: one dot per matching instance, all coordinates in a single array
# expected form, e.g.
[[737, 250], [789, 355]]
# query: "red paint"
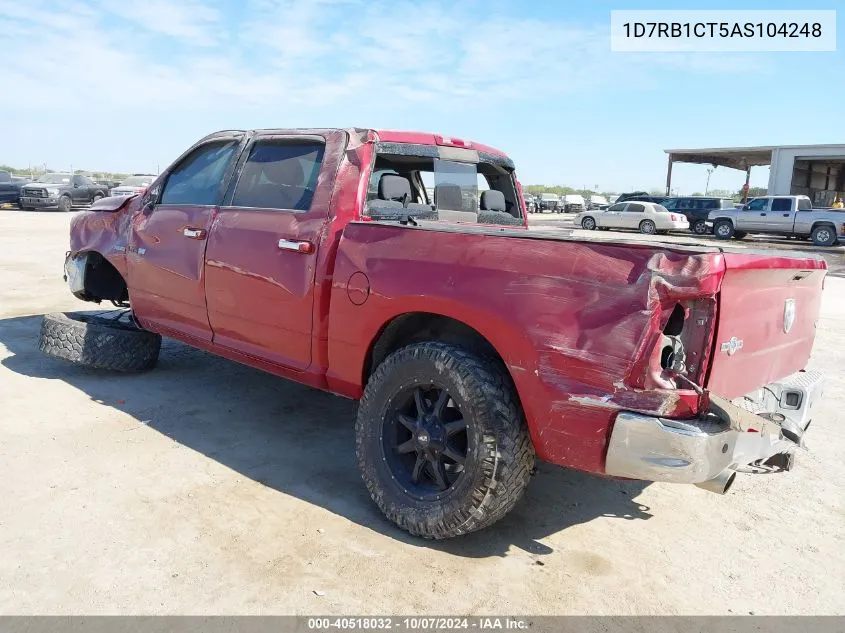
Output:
[[577, 322]]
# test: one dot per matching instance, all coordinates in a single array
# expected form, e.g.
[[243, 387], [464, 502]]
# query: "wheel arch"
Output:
[[102, 281], [486, 334]]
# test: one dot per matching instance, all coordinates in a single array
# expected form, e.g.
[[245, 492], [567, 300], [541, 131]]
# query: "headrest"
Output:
[[492, 200], [284, 172], [448, 196], [393, 187]]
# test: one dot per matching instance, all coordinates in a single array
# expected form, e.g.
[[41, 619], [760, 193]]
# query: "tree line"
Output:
[[713, 193], [38, 170]]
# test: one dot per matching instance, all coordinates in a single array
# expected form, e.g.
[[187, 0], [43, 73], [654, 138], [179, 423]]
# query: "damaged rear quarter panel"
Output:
[[570, 318], [105, 229]]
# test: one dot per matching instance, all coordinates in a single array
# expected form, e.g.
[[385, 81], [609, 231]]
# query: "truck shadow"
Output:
[[300, 441]]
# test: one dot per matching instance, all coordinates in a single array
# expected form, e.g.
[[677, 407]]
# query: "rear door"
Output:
[[768, 311], [167, 247], [633, 214], [780, 217], [262, 251]]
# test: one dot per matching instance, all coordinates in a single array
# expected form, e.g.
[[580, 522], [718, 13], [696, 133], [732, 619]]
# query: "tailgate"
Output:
[[768, 310]]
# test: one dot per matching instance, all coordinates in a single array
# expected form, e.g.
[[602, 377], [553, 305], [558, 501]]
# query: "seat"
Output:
[[494, 209], [393, 193], [282, 187]]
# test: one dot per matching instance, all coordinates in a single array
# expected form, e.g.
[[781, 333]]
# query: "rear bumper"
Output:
[[698, 450]]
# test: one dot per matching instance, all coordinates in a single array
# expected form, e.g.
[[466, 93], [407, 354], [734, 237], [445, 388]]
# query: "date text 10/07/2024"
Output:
[[417, 624]]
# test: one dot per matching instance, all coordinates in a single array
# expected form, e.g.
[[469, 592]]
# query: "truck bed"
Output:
[[574, 318]]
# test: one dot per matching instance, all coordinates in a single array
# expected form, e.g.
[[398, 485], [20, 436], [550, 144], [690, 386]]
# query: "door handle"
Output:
[[786, 215], [298, 247], [762, 214], [194, 234]]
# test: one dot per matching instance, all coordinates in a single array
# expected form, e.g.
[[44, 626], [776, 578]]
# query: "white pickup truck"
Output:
[[780, 215]]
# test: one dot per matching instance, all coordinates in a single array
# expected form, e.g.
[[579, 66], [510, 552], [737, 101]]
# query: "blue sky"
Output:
[[126, 86]]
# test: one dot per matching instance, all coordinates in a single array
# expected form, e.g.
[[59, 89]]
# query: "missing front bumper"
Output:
[[744, 432]]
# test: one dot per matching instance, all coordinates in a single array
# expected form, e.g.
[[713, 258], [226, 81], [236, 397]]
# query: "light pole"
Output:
[[707, 186]]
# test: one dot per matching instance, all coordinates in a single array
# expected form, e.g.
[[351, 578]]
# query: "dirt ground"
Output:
[[205, 487]]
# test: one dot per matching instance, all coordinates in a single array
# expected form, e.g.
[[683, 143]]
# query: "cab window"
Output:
[[280, 174], [197, 179]]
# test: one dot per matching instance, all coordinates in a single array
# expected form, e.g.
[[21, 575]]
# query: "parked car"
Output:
[[530, 203], [61, 191], [549, 202], [10, 188], [781, 215], [573, 203], [133, 185], [645, 217], [641, 196], [597, 202], [107, 183], [600, 355], [697, 209]]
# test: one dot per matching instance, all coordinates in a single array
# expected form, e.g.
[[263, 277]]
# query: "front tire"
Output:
[[65, 204], [102, 339], [588, 224], [723, 229], [442, 443], [823, 236]]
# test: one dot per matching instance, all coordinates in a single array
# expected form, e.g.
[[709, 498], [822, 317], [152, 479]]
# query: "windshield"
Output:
[[54, 179], [137, 181]]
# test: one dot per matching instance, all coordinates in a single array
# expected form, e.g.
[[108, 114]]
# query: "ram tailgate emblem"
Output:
[[788, 315]]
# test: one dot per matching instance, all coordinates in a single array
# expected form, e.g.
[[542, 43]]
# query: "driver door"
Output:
[[80, 194], [754, 216], [166, 251]]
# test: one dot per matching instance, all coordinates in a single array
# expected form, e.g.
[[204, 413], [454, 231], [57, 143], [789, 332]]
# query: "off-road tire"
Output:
[[500, 456], [824, 235], [100, 339], [723, 229], [65, 204]]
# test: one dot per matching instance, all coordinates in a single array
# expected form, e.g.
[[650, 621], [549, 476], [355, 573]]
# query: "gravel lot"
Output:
[[207, 487]]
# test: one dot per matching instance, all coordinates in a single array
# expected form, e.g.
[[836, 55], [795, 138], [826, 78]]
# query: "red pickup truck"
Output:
[[396, 268]]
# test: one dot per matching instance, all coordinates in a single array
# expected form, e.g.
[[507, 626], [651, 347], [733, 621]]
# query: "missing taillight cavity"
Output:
[[672, 354], [676, 321]]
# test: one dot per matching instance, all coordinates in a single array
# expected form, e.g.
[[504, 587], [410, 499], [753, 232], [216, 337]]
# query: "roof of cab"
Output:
[[387, 136], [426, 138]]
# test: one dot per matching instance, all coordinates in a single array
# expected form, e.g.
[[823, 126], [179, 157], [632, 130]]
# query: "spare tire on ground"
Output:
[[102, 339]]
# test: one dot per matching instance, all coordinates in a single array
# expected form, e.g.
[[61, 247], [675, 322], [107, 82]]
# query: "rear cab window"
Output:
[[422, 180]]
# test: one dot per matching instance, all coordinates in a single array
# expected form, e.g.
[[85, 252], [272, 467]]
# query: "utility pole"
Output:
[[707, 186]]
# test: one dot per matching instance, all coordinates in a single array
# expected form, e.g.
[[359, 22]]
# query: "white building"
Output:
[[817, 171]]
